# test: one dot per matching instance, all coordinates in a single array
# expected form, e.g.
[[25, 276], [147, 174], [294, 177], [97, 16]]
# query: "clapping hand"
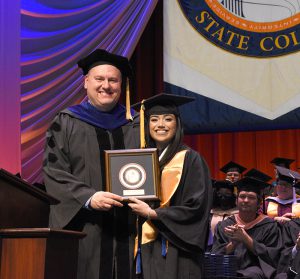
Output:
[[235, 232]]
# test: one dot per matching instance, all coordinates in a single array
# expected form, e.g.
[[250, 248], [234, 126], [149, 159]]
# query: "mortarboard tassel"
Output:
[[128, 113], [142, 126]]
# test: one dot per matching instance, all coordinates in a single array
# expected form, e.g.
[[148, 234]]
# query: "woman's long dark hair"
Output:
[[174, 145]]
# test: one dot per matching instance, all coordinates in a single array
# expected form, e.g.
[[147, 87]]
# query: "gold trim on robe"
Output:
[[170, 179], [272, 210]]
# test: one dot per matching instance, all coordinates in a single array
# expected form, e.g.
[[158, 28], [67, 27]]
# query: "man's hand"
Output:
[[237, 234], [105, 201]]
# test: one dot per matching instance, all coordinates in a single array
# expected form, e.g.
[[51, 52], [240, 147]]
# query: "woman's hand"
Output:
[[141, 208], [283, 219]]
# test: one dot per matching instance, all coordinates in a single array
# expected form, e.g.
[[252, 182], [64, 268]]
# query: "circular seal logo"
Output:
[[132, 176], [259, 28]]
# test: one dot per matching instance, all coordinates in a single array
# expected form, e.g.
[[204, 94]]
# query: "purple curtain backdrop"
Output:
[[10, 153], [55, 34]]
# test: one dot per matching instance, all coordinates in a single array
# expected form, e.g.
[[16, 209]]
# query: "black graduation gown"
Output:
[[74, 170], [296, 264], [266, 241], [290, 231], [184, 224]]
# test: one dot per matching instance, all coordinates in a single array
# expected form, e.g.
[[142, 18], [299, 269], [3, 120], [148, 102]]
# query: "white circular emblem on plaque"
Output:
[[132, 176]]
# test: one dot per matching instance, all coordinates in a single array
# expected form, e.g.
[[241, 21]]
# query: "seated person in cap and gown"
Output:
[[253, 238], [74, 169], [257, 174], [224, 202], [174, 235], [290, 229], [283, 206], [233, 171], [224, 198]]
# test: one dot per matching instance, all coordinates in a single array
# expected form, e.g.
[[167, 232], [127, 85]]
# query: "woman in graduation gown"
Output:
[[175, 234]]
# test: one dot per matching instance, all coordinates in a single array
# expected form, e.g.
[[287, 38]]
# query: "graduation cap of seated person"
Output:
[[103, 57], [232, 166], [250, 184], [255, 173], [217, 184], [287, 175], [282, 162], [159, 104]]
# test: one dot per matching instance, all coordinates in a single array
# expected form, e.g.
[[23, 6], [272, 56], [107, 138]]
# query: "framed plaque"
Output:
[[133, 173]]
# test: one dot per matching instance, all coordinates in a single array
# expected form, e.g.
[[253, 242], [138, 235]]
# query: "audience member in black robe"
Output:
[[286, 205], [253, 238], [289, 259], [224, 202], [175, 234], [233, 171], [295, 262], [74, 169]]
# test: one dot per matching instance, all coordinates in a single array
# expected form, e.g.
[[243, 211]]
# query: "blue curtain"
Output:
[[55, 34]]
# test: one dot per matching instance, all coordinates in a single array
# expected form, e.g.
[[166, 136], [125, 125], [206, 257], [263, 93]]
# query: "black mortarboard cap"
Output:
[[159, 104], [163, 104], [232, 166], [223, 184], [282, 162], [255, 173], [250, 184], [287, 175], [101, 57]]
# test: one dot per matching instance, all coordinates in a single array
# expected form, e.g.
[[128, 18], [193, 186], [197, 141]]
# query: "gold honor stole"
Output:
[[170, 179], [272, 210]]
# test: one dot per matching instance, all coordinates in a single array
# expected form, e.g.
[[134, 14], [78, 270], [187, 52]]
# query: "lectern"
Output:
[[28, 248]]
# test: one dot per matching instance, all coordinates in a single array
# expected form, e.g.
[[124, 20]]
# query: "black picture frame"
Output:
[[133, 173]]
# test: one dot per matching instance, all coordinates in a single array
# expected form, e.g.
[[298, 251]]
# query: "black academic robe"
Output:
[[295, 265], [267, 247], [290, 231], [184, 224], [74, 169]]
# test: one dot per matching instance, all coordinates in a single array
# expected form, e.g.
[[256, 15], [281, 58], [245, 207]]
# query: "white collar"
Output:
[[163, 153]]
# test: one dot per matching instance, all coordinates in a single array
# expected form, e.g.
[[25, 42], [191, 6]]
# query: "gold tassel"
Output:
[[128, 113], [142, 125]]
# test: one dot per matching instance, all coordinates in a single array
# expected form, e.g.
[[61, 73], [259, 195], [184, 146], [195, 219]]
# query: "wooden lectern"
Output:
[[28, 248]]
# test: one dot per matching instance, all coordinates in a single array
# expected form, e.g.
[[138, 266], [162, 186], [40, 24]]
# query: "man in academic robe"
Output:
[[74, 169], [253, 238], [233, 171]]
